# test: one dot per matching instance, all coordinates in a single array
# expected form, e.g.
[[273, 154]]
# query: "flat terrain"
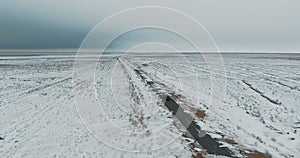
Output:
[[249, 105]]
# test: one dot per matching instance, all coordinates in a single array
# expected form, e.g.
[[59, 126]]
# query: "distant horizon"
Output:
[[74, 50]]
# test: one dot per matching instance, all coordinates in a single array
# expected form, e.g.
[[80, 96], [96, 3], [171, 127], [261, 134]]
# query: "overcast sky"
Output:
[[236, 25]]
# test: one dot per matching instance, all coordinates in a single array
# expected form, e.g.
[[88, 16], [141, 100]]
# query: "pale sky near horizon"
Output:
[[234, 25]]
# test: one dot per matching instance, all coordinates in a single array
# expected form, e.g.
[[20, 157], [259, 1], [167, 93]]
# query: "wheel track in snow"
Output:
[[32, 91], [276, 102]]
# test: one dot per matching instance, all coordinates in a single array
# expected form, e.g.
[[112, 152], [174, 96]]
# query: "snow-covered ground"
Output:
[[258, 111]]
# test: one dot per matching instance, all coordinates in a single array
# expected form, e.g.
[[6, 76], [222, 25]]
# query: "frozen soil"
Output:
[[258, 113]]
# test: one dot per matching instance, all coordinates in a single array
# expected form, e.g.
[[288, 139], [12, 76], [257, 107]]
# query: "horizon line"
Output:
[[75, 50]]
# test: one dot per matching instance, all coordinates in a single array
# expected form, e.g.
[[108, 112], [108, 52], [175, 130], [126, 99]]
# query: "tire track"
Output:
[[276, 102], [31, 91]]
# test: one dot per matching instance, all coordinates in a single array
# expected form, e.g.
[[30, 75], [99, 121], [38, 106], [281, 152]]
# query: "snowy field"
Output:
[[258, 115]]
